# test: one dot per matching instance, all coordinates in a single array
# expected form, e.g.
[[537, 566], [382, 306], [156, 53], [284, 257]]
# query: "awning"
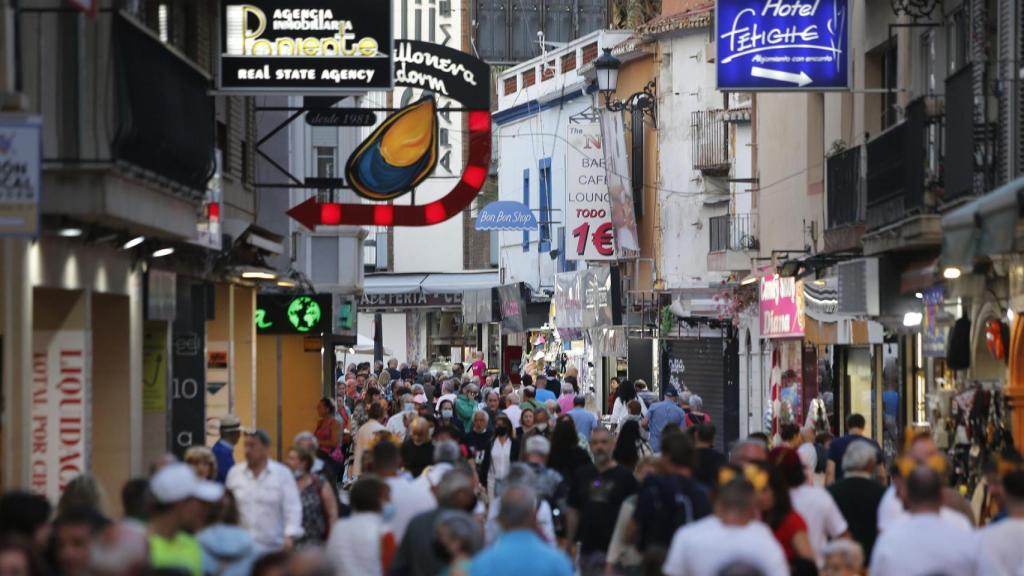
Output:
[[985, 226], [427, 283]]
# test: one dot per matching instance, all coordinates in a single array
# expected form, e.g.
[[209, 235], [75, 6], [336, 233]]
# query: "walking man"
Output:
[[268, 501], [224, 449]]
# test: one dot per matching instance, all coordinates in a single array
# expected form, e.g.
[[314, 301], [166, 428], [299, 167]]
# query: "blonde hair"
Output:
[[202, 455]]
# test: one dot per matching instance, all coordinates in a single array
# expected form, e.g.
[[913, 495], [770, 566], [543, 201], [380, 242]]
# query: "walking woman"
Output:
[[498, 460], [625, 395], [319, 505], [328, 437]]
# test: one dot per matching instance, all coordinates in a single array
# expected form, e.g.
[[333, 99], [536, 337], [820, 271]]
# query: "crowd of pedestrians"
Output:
[[474, 474]]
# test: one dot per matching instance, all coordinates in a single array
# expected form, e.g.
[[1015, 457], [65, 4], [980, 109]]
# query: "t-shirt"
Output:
[[858, 500], [181, 553], [585, 421], [925, 545], [416, 457], [790, 526], [1001, 551], [478, 368], [661, 414], [664, 503], [704, 548], [837, 450], [598, 496], [891, 512], [709, 462], [543, 395], [823, 518]]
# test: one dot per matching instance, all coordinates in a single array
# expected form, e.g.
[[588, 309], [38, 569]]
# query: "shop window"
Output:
[[323, 156], [858, 374], [544, 168], [526, 202]]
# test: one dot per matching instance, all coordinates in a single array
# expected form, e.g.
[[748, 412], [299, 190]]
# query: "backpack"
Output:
[[691, 419]]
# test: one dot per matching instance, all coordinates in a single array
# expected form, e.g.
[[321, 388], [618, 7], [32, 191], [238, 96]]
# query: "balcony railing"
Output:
[[710, 141], [846, 201], [732, 232], [904, 165], [137, 104]]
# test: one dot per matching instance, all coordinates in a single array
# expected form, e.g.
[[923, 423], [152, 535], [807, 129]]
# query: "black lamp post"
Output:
[[645, 101]]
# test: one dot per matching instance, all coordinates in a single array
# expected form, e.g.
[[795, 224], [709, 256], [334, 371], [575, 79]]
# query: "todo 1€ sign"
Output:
[[766, 45]]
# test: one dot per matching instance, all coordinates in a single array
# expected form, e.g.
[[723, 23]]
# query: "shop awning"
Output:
[[985, 226], [427, 283]]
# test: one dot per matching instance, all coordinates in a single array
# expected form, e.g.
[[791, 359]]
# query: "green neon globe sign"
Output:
[[304, 313]]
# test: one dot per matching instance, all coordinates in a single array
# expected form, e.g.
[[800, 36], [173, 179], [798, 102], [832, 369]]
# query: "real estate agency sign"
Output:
[[588, 209]]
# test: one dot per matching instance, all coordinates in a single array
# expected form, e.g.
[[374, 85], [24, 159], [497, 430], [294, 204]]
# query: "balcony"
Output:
[[129, 133], [845, 206], [904, 180], [710, 134], [732, 242]]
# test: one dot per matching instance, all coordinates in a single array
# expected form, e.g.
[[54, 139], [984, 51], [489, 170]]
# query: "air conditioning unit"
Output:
[[858, 287]]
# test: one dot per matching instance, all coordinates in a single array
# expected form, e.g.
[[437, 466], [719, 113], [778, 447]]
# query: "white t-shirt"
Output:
[[1002, 548], [891, 511], [514, 413], [704, 547], [924, 545], [410, 498], [822, 515]]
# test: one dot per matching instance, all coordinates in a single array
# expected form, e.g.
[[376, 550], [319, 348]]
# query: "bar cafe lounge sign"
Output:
[[305, 46]]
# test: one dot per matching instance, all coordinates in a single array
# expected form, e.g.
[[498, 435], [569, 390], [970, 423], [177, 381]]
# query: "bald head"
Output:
[[420, 431]]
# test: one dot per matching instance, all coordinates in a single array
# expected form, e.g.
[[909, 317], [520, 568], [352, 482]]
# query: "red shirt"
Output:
[[478, 368], [791, 525]]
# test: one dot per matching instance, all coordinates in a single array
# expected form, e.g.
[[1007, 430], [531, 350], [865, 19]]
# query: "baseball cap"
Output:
[[538, 445], [671, 392], [176, 482]]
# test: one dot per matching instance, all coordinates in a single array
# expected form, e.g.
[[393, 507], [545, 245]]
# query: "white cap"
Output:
[[176, 482]]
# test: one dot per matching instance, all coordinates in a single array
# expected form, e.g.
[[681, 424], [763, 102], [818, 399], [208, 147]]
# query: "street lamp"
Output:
[[645, 101]]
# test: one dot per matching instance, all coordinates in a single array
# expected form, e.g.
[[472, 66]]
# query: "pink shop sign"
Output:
[[782, 307]]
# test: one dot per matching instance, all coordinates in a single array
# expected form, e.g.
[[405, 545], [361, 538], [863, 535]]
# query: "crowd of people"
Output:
[[405, 474]]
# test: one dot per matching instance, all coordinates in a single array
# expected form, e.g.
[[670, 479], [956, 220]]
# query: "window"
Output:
[[492, 259], [569, 62], [547, 71], [526, 202], [544, 168], [589, 53], [323, 265], [529, 77], [957, 40], [927, 62], [891, 75], [511, 85], [323, 156]]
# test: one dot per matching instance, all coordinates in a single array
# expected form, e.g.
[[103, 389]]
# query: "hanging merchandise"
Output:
[[997, 334]]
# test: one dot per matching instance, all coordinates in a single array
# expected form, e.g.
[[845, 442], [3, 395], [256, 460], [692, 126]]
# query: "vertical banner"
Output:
[[154, 367], [933, 334], [60, 410], [588, 211], [620, 187], [188, 381]]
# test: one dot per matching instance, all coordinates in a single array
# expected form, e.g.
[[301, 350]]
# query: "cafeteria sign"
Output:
[[305, 46], [782, 45]]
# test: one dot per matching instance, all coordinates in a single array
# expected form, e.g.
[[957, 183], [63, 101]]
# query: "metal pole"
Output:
[[378, 337]]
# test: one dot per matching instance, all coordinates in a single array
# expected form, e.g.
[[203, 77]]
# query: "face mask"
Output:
[[542, 426], [409, 407], [501, 430], [447, 414], [388, 512]]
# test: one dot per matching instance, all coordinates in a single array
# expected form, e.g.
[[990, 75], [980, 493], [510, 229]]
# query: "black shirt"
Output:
[[598, 496], [858, 499], [666, 502], [709, 461], [417, 457]]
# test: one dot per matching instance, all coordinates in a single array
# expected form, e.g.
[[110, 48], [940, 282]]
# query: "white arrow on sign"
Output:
[[801, 79]]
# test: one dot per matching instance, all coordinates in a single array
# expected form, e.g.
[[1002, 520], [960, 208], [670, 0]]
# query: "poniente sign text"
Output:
[[305, 46]]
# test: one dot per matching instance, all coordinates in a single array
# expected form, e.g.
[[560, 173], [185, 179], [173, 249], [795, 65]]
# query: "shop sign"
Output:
[[588, 211], [600, 292], [800, 45], [21, 152], [305, 314], [414, 300], [933, 335], [60, 410], [305, 46], [341, 117], [506, 215], [513, 308], [782, 307], [188, 368], [345, 315], [620, 187]]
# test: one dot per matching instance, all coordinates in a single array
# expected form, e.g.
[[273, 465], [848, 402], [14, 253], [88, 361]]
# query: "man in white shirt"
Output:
[[267, 497], [512, 409], [815, 505], [364, 437], [1002, 552], [732, 537], [924, 544], [409, 497], [399, 423]]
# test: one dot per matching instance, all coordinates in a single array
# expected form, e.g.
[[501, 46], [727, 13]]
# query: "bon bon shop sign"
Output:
[[782, 45], [782, 307], [305, 46]]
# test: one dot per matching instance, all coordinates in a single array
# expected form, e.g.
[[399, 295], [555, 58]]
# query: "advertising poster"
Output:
[[933, 335], [21, 150], [782, 307], [588, 211], [154, 367], [620, 187], [60, 410]]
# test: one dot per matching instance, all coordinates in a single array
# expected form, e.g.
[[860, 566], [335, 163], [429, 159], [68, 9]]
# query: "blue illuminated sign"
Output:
[[782, 45]]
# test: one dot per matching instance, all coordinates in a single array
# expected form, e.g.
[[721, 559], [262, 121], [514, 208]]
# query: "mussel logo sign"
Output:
[[305, 46], [403, 151]]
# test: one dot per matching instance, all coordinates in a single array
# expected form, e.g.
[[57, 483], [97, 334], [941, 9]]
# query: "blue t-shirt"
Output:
[[585, 421], [661, 414], [225, 456], [521, 552], [543, 395]]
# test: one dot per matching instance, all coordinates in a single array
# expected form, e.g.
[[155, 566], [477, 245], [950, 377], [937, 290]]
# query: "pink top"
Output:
[[478, 368], [565, 402]]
